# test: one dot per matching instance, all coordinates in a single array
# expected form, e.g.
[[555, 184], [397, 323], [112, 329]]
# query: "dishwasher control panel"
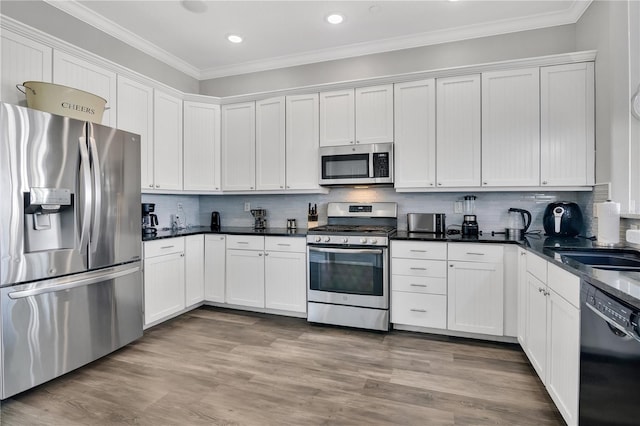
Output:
[[612, 309]]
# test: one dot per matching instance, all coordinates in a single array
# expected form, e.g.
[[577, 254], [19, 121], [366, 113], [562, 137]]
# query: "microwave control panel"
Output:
[[380, 164]]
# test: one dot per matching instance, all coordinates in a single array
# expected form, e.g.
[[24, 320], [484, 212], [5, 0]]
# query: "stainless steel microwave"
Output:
[[367, 164]]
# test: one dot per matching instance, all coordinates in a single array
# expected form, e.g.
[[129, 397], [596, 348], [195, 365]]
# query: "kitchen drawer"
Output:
[[291, 244], [564, 283], [245, 242], [163, 246], [419, 268], [419, 250], [492, 253], [421, 310], [427, 285], [537, 267]]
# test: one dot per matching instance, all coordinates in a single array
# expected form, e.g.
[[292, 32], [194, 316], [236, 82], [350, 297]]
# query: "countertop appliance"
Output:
[[470, 226], [433, 223], [367, 164], [149, 219], [562, 219], [215, 221], [348, 265], [260, 218], [519, 222], [609, 359], [70, 244]]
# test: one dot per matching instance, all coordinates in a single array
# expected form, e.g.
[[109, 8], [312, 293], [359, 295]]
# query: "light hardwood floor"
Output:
[[223, 367]]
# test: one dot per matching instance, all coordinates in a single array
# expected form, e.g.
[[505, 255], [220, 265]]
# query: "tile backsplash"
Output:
[[491, 207]]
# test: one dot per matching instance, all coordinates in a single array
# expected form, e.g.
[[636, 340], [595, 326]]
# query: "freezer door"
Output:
[[44, 213], [52, 327], [115, 234]]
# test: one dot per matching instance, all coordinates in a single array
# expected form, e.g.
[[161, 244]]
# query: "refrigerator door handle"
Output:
[[97, 192], [86, 192], [67, 283]]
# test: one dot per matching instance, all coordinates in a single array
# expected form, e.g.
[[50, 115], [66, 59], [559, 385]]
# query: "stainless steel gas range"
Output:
[[348, 278]]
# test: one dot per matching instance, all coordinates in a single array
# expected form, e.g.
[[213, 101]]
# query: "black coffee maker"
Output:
[[149, 220]]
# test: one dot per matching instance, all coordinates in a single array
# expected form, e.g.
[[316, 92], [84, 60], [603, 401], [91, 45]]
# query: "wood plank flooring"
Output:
[[215, 366]]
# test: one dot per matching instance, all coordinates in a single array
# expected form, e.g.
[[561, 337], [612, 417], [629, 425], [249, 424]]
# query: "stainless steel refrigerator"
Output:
[[70, 244]]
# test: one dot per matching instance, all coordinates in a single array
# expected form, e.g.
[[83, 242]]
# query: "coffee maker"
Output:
[[149, 220], [470, 223], [260, 216]]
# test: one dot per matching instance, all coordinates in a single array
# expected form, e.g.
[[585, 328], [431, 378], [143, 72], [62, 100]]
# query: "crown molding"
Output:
[[568, 16], [83, 13]]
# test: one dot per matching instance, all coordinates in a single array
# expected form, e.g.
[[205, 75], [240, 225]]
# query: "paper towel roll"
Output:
[[608, 214]]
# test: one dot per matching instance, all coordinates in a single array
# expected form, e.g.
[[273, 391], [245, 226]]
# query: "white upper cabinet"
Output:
[[415, 134], [22, 60], [337, 118], [167, 150], [302, 141], [363, 115], [135, 114], [80, 74], [511, 128], [270, 144], [458, 131], [374, 114], [239, 147], [201, 140], [567, 124]]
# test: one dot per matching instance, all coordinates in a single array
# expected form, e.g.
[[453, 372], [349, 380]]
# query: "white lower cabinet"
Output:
[[194, 269], [215, 260], [419, 284], [475, 288], [552, 332], [164, 279], [266, 272], [245, 271], [285, 274]]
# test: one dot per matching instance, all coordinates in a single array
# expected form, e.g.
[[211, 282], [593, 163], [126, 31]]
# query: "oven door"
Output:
[[349, 276]]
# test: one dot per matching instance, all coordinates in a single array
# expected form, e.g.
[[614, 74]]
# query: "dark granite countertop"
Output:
[[229, 230]]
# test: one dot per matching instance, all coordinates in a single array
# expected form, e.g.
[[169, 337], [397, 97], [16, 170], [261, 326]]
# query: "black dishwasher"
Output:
[[609, 359]]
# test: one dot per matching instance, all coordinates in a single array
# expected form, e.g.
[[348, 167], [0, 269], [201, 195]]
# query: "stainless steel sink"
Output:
[[610, 259]]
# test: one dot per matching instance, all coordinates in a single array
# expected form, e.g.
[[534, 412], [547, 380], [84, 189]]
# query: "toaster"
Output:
[[426, 222]]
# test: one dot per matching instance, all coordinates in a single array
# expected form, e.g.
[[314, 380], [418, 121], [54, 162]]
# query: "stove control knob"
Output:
[[345, 240], [318, 239], [373, 241], [363, 240], [327, 239]]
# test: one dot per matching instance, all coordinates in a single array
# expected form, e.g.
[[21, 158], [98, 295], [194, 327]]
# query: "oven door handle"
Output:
[[347, 251]]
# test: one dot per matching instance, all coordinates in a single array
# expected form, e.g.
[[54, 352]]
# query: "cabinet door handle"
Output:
[[181, 254], [150, 185], [540, 290], [418, 285], [266, 254], [419, 310], [157, 186], [544, 182], [259, 254]]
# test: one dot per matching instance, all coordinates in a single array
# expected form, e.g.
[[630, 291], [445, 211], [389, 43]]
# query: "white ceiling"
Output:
[[287, 33]]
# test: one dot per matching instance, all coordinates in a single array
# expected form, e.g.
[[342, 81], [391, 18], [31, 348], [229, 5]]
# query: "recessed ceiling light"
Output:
[[335, 18], [195, 6], [234, 38]]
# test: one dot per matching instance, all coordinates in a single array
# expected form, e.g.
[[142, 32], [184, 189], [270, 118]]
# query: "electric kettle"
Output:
[[519, 222]]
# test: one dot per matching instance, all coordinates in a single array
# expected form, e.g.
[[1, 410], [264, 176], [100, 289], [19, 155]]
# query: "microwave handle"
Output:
[[371, 166]]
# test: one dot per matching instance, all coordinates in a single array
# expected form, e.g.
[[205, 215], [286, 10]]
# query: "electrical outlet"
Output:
[[247, 207], [457, 207]]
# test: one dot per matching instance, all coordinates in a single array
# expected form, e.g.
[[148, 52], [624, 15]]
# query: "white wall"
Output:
[[524, 44], [51, 20], [604, 27]]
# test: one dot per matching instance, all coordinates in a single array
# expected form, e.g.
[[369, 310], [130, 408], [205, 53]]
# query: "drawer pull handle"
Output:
[[418, 310], [284, 245], [418, 251], [475, 254], [418, 285], [242, 242], [166, 247], [418, 269]]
